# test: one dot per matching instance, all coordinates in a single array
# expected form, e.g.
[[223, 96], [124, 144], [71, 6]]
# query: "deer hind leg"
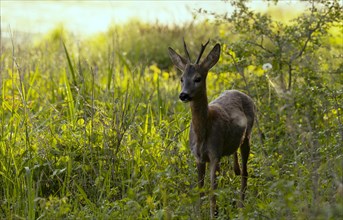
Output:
[[214, 170], [245, 150], [236, 167]]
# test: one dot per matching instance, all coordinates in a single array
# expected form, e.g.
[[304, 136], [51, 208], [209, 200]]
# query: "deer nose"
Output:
[[184, 97]]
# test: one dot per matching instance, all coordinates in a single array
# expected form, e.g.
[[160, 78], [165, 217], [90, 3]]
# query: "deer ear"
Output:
[[212, 58], [178, 60]]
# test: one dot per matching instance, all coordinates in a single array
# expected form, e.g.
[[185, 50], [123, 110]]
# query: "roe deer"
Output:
[[217, 129]]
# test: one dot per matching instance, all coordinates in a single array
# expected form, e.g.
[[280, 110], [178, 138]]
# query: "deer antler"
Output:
[[202, 51], [186, 50]]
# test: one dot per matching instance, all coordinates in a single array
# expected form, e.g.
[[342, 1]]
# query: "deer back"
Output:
[[231, 118]]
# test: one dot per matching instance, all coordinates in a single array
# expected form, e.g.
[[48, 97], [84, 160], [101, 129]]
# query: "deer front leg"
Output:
[[201, 175], [214, 170], [201, 167]]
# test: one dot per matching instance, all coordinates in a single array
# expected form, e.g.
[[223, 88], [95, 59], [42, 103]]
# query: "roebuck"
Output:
[[217, 129]]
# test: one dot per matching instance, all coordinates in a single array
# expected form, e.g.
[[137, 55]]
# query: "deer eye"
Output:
[[197, 80]]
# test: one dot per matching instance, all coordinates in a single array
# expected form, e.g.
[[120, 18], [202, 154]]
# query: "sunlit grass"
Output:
[[94, 129]]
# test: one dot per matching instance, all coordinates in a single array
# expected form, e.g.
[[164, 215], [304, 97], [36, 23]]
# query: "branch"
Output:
[[309, 37], [239, 70], [261, 46]]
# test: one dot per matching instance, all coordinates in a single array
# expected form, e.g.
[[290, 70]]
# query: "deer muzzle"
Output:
[[184, 97]]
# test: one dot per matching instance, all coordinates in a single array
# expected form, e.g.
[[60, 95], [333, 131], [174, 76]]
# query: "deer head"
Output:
[[193, 79]]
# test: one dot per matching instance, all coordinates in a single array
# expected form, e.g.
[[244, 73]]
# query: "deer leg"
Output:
[[201, 167], [214, 170], [201, 175], [245, 150], [236, 167]]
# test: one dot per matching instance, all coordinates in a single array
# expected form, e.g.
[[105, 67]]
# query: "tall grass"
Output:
[[93, 131], [82, 141]]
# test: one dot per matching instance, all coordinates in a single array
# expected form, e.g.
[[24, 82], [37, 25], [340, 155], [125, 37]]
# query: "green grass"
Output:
[[89, 132]]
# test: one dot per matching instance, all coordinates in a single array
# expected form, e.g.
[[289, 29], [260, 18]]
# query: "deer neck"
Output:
[[199, 109]]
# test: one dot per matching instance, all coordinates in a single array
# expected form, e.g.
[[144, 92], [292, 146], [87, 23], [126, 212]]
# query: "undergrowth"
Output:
[[90, 132]]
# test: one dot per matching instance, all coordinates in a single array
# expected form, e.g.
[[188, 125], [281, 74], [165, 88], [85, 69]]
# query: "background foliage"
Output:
[[93, 129]]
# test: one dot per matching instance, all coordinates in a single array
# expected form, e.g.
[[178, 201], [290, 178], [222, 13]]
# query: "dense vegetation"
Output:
[[93, 129]]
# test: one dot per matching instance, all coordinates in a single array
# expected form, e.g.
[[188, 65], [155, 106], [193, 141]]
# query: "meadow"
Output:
[[93, 128]]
